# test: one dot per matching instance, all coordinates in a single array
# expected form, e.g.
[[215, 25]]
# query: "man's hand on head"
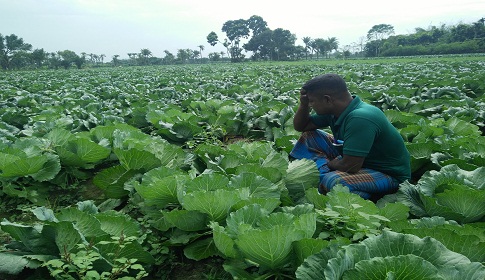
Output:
[[303, 97]]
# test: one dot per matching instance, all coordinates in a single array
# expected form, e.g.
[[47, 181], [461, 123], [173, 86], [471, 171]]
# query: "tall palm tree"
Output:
[[332, 44], [91, 57], [115, 59], [201, 48], [307, 41], [319, 45], [145, 53]]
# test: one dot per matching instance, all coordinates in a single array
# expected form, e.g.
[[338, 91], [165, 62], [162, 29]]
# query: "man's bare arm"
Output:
[[301, 120], [349, 164]]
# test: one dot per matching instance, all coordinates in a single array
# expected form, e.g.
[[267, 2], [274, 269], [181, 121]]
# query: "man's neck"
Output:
[[341, 105]]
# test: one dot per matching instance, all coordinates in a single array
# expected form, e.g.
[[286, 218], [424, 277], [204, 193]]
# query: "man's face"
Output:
[[321, 104]]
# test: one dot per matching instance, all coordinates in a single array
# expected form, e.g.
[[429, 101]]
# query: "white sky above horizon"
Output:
[[112, 27]]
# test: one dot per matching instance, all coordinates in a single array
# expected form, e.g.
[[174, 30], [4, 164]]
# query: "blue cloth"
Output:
[[321, 147]]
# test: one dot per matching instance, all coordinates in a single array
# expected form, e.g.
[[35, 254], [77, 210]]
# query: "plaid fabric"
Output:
[[317, 146]]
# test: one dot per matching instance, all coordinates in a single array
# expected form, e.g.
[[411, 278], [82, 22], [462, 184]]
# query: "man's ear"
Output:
[[327, 98]]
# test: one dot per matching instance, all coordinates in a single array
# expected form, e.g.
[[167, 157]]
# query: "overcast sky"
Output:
[[112, 27]]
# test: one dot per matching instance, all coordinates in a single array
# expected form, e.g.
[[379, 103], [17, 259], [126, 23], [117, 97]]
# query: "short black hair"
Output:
[[329, 83]]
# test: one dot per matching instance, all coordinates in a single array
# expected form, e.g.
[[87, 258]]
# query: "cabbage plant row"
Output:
[[109, 173]]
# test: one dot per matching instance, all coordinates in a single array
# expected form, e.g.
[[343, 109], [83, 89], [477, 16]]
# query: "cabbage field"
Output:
[[182, 172]]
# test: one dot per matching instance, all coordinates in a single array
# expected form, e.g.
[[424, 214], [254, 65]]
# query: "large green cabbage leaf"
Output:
[[268, 247], [112, 180], [301, 175], [140, 151], [393, 256], [56, 236], [81, 152], [451, 193], [188, 220], [159, 186], [215, 195], [468, 240], [29, 157], [270, 240], [217, 204]]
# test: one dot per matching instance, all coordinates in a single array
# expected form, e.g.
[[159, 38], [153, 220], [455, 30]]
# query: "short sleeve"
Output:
[[321, 120], [359, 137]]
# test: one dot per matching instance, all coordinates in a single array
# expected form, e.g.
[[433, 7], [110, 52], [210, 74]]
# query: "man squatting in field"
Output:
[[364, 152]]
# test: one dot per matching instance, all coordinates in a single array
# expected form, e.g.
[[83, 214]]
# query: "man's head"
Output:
[[327, 84], [327, 94]]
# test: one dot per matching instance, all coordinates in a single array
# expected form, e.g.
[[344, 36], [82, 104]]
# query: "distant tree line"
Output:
[[434, 40], [253, 36], [267, 44]]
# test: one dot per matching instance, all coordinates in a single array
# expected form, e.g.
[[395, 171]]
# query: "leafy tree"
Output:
[[461, 38], [257, 25], [372, 48], [463, 32], [324, 46], [54, 60], [299, 53], [278, 44], [235, 31], [438, 33], [20, 59], [39, 56], [215, 56], [9, 46], [80, 60], [169, 57], [115, 60], [423, 37], [145, 54], [346, 54], [212, 38], [321, 46], [261, 45], [183, 55], [284, 43], [68, 58], [378, 33]]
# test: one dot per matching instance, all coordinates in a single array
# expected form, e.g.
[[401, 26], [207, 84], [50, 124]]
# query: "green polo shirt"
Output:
[[366, 132]]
